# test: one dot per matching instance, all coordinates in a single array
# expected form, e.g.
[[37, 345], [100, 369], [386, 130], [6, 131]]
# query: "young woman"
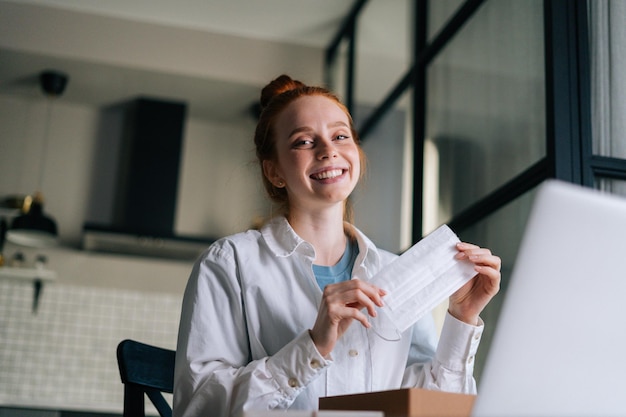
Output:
[[276, 318]]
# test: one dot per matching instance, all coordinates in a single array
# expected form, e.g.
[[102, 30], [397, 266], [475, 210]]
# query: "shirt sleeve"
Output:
[[452, 367], [215, 374]]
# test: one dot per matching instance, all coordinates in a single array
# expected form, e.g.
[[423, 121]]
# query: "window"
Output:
[[485, 105], [608, 94], [502, 92]]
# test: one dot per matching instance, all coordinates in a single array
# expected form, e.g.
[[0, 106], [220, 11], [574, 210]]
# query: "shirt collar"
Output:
[[284, 241], [368, 257]]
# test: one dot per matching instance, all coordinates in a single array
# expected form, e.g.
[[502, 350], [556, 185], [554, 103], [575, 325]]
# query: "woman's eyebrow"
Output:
[[338, 124], [299, 130]]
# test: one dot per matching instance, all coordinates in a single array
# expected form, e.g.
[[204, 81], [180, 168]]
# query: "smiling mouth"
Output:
[[333, 173]]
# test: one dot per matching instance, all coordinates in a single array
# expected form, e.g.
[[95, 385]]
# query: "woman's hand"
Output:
[[341, 304], [468, 301]]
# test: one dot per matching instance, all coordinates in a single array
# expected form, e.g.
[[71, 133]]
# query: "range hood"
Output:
[[134, 199]]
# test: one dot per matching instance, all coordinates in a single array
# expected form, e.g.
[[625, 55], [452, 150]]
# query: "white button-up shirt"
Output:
[[244, 342]]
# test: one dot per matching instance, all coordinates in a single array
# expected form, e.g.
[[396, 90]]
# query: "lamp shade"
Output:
[[33, 228]]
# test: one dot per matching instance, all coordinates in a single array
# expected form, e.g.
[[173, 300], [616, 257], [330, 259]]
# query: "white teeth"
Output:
[[328, 174]]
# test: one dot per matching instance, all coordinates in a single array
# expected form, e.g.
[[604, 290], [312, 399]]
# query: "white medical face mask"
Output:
[[419, 280]]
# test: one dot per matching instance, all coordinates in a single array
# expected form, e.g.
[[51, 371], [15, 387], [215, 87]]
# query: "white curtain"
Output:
[[607, 24]]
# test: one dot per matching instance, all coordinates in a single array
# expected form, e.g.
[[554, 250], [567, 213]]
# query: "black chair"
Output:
[[148, 370]]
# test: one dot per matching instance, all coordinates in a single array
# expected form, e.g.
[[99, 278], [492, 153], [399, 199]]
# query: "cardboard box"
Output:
[[411, 402], [288, 413]]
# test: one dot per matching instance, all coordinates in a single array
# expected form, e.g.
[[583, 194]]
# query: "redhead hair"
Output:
[[275, 97]]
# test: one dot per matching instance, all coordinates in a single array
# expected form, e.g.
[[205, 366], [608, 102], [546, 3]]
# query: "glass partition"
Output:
[[608, 77], [486, 103], [613, 186], [337, 71], [501, 232], [439, 12], [383, 50], [383, 200]]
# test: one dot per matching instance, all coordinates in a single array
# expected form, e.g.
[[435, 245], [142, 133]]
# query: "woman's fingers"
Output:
[[341, 304], [338, 313], [481, 257], [349, 297], [469, 300]]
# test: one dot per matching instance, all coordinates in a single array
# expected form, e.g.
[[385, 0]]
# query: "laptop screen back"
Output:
[[559, 348]]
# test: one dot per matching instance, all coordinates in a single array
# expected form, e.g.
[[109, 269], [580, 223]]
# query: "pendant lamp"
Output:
[[33, 227]]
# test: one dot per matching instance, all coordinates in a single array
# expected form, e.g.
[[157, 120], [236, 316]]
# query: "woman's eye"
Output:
[[303, 143], [342, 137]]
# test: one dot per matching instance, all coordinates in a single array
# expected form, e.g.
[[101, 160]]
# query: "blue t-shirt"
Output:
[[342, 271]]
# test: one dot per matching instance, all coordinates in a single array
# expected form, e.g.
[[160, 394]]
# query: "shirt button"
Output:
[[477, 336], [470, 359], [353, 352], [293, 382], [315, 364]]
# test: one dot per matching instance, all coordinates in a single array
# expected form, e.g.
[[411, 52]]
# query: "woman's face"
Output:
[[317, 157]]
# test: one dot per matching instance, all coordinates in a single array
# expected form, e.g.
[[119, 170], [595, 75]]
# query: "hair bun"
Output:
[[278, 86]]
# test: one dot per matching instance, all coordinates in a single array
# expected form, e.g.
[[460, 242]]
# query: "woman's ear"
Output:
[[270, 170]]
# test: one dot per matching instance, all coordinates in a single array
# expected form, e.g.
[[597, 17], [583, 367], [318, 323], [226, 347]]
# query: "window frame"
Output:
[[568, 115]]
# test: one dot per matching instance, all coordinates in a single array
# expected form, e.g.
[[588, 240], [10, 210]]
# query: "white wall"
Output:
[[219, 189], [65, 168]]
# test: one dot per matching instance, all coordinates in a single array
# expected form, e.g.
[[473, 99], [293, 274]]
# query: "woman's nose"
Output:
[[326, 151]]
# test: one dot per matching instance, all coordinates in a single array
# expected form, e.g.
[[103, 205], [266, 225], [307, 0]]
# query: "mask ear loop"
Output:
[[383, 326]]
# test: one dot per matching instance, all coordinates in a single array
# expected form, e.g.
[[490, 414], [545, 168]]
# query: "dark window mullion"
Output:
[[350, 78], [604, 166], [347, 31], [450, 29], [370, 122], [567, 121], [584, 91], [422, 58], [344, 31], [497, 199], [420, 40]]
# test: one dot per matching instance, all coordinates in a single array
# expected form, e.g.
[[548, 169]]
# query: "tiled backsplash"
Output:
[[64, 355]]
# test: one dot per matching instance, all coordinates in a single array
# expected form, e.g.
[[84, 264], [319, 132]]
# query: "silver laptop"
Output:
[[560, 345]]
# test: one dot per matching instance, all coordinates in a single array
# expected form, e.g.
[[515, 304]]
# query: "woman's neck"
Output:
[[324, 230]]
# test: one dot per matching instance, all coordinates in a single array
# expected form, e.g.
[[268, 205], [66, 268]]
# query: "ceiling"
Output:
[[311, 23], [306, 22]]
